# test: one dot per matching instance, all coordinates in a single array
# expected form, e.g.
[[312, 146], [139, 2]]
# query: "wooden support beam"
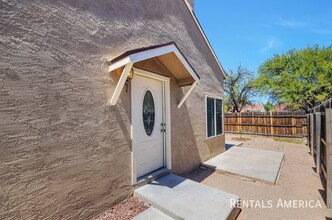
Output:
[[308, 129], [312, 133], [318, 142], [328, 124]]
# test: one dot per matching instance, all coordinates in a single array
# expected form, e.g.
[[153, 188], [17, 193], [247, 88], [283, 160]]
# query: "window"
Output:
[[214, 116], [148, 112]]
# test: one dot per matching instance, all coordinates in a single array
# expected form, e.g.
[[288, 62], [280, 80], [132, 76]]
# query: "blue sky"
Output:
[[249, 32]]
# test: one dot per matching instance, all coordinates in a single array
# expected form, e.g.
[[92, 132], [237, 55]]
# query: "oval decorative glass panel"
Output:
[[148, 112]]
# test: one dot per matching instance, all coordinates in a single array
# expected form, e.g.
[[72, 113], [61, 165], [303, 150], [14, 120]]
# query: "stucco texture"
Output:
[[64, 153]]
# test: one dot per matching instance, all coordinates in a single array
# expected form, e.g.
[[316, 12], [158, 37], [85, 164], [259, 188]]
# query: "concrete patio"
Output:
[[297, 181], [255, 164]]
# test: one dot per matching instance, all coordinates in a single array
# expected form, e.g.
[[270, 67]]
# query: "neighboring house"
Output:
[[253, 108], [94, 95], [280, 107]]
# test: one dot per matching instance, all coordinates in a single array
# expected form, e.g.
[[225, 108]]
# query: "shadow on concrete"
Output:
[[200, 174], [322, 192], [169, 181]]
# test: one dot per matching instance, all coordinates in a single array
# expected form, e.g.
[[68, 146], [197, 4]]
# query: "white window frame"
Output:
[[215, 118]]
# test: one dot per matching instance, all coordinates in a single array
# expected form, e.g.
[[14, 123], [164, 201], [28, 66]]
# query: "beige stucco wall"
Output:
[[65, 154]]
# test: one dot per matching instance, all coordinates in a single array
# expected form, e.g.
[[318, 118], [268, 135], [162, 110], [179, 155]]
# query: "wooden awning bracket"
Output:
[[187, 94], [123, 77]]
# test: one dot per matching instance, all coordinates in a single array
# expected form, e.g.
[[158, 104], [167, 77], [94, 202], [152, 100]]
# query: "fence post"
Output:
[[308, 130], [318, 142], [240, 126], [271, 123], [237, 122], [328, 157], [265, 127], [293, 124], [312, 133]]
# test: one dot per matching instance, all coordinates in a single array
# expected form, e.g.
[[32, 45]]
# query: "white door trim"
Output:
[[167, 119]]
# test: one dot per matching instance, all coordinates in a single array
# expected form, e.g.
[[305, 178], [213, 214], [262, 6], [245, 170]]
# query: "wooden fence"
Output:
[[320, 143], [279, 124]]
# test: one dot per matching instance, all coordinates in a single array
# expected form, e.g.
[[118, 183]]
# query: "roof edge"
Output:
[[141, 54], [205, 38]]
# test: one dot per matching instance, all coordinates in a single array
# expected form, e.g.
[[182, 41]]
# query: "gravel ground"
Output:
[[125, 210], [297, 181]]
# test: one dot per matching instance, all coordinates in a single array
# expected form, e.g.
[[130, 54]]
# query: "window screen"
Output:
[[214, 116], [210, 117], [218, 116]]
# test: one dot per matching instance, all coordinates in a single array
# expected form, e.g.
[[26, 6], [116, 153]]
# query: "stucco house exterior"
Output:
[[95, 95], [259, 107]]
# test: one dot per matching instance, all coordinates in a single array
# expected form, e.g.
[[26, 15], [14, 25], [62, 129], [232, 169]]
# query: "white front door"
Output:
[[147, 120]]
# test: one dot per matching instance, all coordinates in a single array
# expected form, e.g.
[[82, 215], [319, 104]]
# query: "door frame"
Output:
[[167, 118]]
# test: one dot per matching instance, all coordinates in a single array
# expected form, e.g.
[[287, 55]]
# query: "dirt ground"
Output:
[[298, 185]]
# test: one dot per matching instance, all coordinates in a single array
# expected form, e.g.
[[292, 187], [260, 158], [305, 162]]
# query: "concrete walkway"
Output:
[[180, 198], [260, 165]]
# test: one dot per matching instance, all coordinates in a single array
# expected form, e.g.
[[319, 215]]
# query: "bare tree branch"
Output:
[[239, 89]]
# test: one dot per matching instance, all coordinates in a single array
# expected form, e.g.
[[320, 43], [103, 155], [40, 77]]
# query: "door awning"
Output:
[[168, 55]]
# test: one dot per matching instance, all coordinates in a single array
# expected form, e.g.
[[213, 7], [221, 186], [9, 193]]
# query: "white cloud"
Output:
[[269, 45], [290, 23]]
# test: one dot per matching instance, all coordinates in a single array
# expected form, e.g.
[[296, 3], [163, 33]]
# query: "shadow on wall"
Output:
[[122, 110], [123, 126], [185, 154], [194, 107]]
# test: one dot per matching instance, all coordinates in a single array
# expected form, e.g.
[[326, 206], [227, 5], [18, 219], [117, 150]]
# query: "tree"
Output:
[[227, 104], [239, 89], [269, 107], [300, 78]]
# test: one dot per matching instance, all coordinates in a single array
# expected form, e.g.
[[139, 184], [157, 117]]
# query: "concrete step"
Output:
[[148, 178], [152, 214], [181, 198]]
